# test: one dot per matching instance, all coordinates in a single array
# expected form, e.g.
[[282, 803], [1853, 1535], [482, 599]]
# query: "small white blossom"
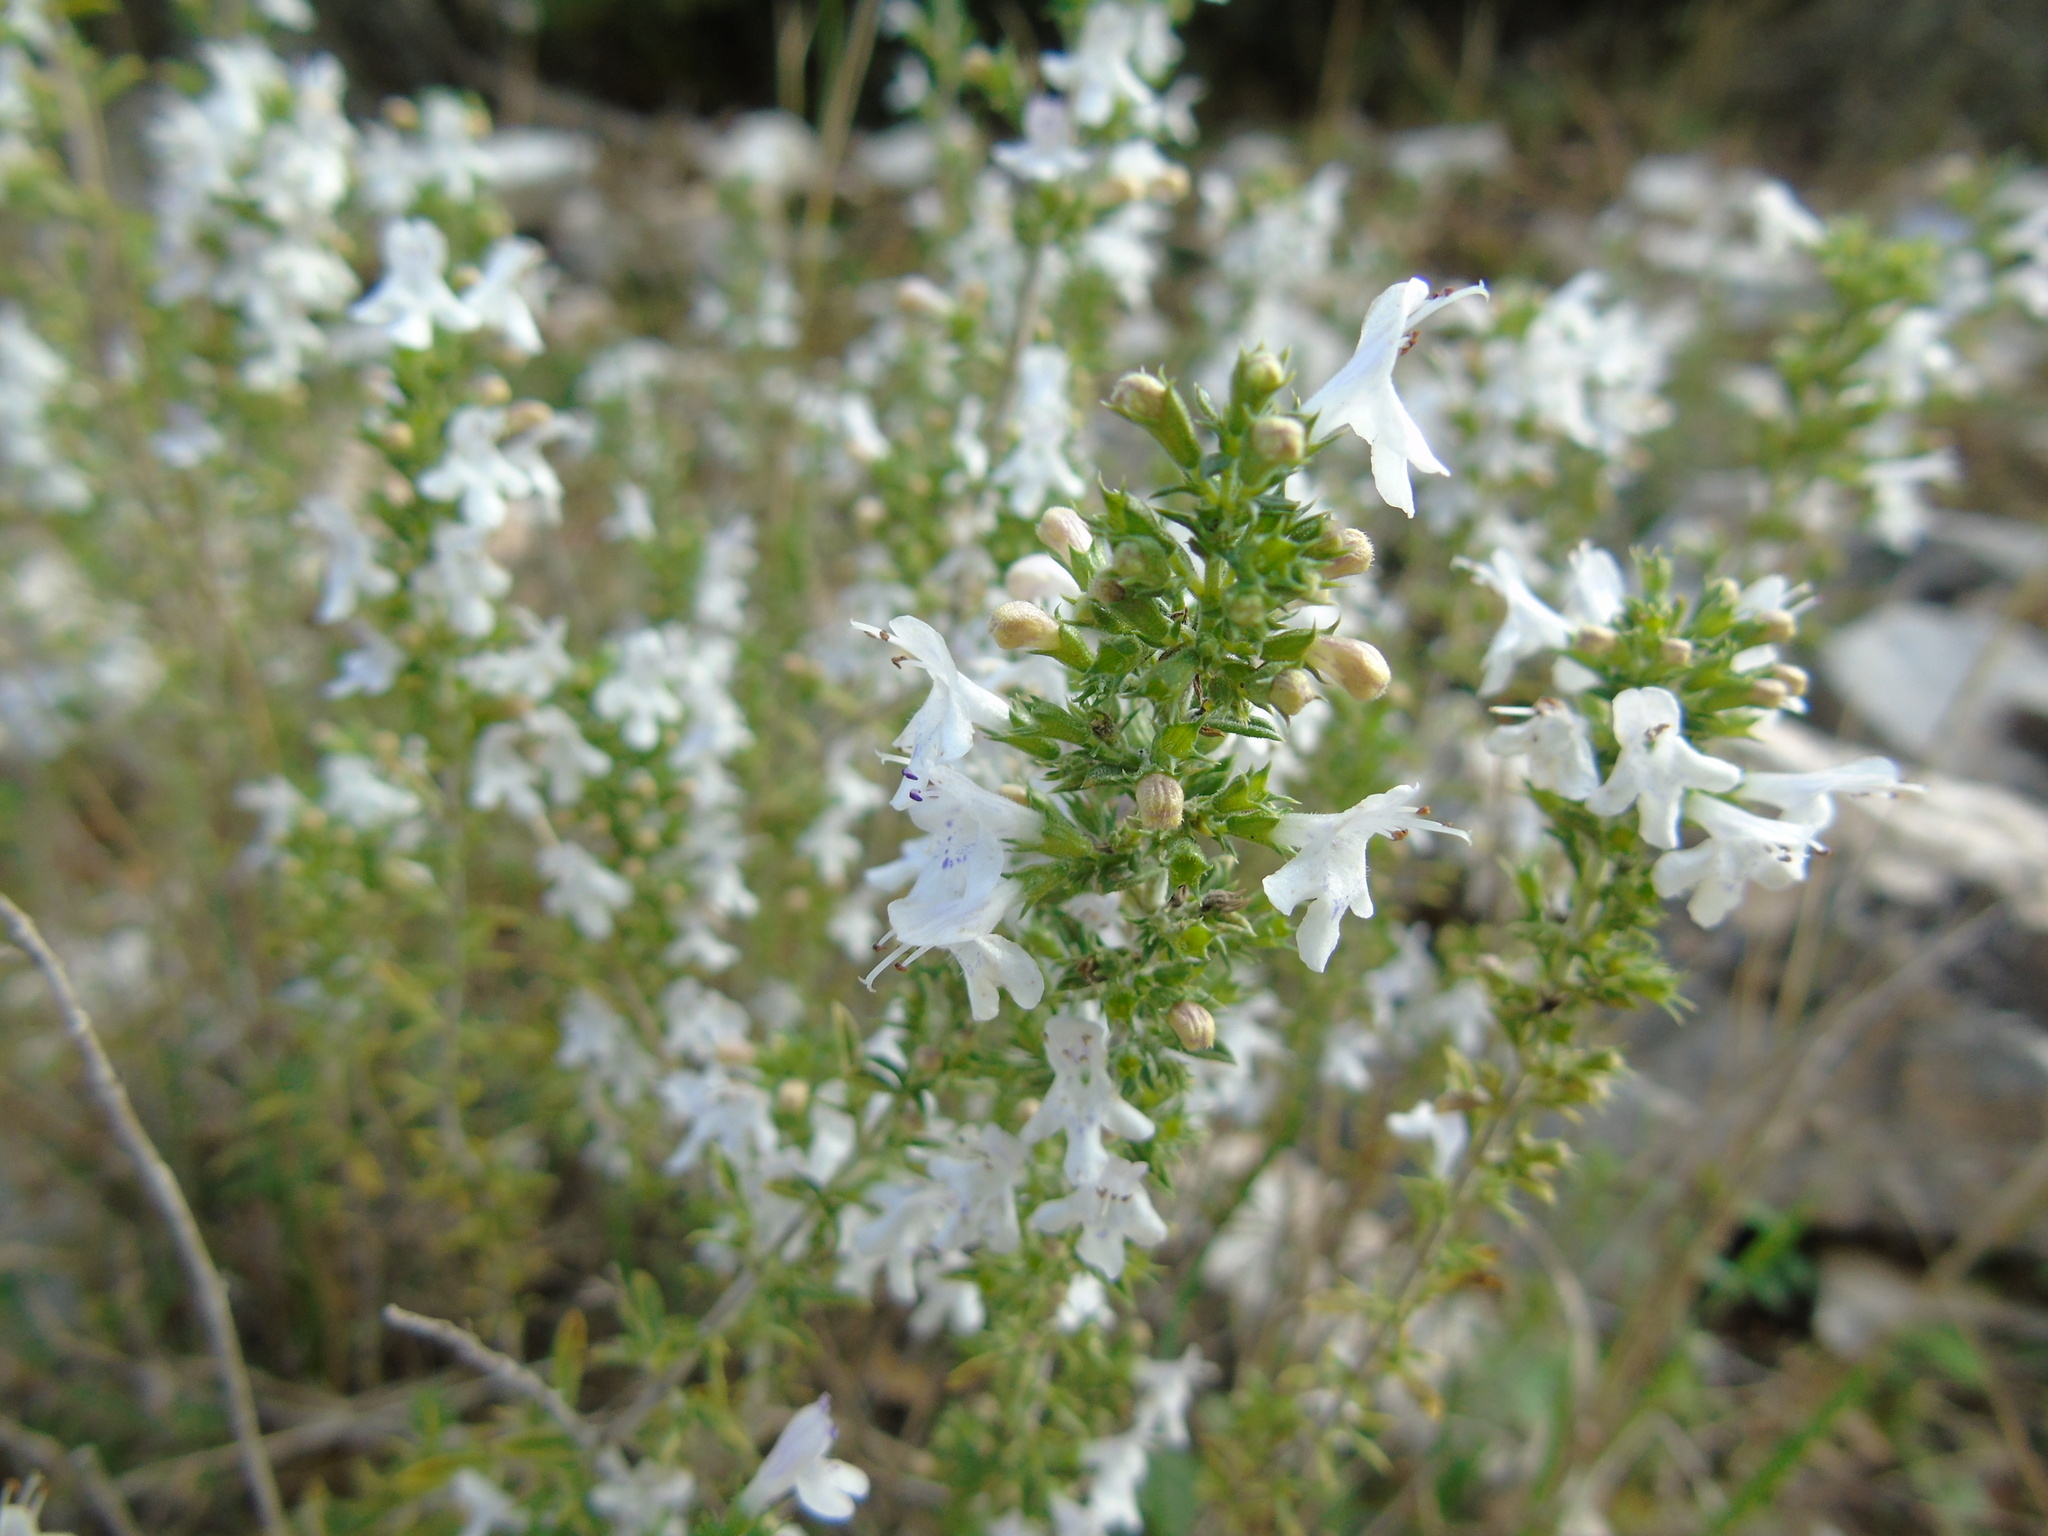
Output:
[[531, 671], [1809, 798], [632, 519], [500, 775], [1446, 1133], [1899, 509], [980, 1167], [352, 572], [1741, 848], [1360, 395], [1102, 73], [474, 471], [463, 579], [1557, 743], [1530, 628], [799, 1463], [1328, 870], [413, 297], [942, 730], [1048, 152], [1085, 1301], [1036, 473], [1166, 1391], [596, 1040], [1116, 1467], [353, 792], [638, 693], [1085, 1102], [703, 1025], [563, 755], [647, 1500], [581, 889], [721, 1111], [1657, 765], [370, 669], [1040, 579], [498, 297], [830, 842], [486, 1508], [1349, 1050], [1112, 1209]]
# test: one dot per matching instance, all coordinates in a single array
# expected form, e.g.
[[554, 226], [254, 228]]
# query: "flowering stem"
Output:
[[209, 1291]]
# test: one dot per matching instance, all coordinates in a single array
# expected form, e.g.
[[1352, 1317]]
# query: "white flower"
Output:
[[1772, 594], [1741, 847], [463, 579], [597, 1040], [1595, 590], [1360, 395], [544, 485], [1101, 74], [960, 892], [1328, 870], [1085, 1301], [638, 692], [632, 518], [352, 792], [497, 298], [830, 842], [277, 806], [1657, 765], [413, 296], [902, 1219], [1348, 1053], [1783, 223], [1085, 1101], [1900, 511], [703, 1025], [1558, 744], [1036, 471], [352, 572], [31, 373], [1117, 1467], [1166, 1391], [563, 755], [980, 1167], [956, 1306], [1446, 1133], [826, 1489], [370, 669], [942, 730], [486, 1508], [1809, 798], [1531, 627], [647, 1500], [1111, 1210], [721, 1111], [531, 671], [501, 775], [474, 471], [1040, 578], [1048, 151], [582, 889]]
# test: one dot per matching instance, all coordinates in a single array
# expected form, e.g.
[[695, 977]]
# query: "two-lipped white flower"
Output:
[[1048, 151], [413, 296], [530, 671], [1741, 848], [960, 890], [1085, 1101], [638, 694], [1557, 743], [942, 730], [1328, 870], [1530, 628], [1809, 798], [799, 1463], [646, 1500], [1111, 1209], [1120, 43], [474, 471], [1445, 1131], [980, 1167], [463, 579], [1657, 765], [561, 753], [352, 572], [1360, 395], [352, 791], [498, 297], [486, 1508], [1166, 1391], [582, 889]]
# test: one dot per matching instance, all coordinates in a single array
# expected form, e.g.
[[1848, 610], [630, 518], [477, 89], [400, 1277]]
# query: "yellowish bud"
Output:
[[1292, 691], [1063, 530], [1193, 1025], [869, 513], [1160, 802], [1675, 652], [922, 296], [1357, 557], [1359, 669], [1769, 693], [1170, 186], [1595, 640], [1140, 397], [792, 1095], [400, 113], [1778, 624], [492, 389], [1107, 589], [1024, 627], [396, 435], [1795, 680], [526, 415], [1279, 440], [1016, 794]]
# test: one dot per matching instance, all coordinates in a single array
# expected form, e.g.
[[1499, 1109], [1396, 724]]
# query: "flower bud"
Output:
[[1675, 652], [1278, 440], [1157, 407], [525, 415], [792, 1095], [1107, 589], [1193, 1025], [922, 296], [1063, 530], [1769, 693], [1024, 627], [1595, 640], [1358, 555], [1170, 186], [1795, 679], [1016, 794], [1359, 669], [735, 1051], [398, 491], [396, 435], [1778, 624], [1292, 692], [400, 113], [1724, 591], [1256, 379], [492, 389], [869, 513], [1160, 800]]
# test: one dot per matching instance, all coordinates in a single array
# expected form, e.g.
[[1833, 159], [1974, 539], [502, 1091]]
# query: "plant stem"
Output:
[[835, 127], [209, 1291], [513, 1378]]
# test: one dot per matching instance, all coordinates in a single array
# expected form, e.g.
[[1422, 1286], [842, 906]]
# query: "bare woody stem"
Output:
[[835, 129], [161, 1185], [512, 1378]]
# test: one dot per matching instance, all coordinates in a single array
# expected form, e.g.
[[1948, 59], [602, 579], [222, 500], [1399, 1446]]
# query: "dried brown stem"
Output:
[[209, 1291], [512, 1378]]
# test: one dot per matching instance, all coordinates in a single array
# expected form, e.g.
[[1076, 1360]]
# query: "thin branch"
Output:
[[49, 1457], [1997, 1216], [161, 1185], [514, 1379], [835, 128]]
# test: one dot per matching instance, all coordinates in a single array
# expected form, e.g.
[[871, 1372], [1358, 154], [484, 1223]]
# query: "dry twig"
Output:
[[514, 1379]]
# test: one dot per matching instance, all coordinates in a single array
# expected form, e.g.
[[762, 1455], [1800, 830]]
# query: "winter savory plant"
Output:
[[774, 897]]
